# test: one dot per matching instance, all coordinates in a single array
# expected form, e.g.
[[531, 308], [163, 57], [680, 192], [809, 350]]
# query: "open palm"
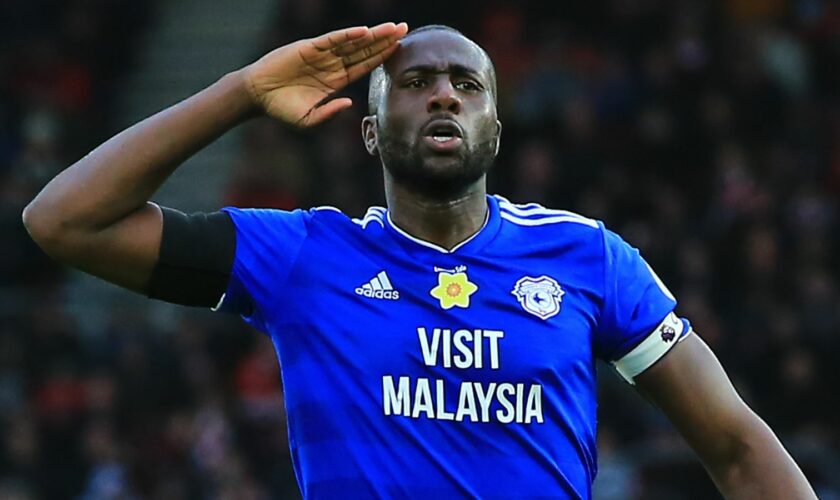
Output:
[[292, 83]]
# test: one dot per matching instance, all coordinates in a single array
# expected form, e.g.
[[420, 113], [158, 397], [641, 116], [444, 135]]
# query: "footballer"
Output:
[[441, 346]]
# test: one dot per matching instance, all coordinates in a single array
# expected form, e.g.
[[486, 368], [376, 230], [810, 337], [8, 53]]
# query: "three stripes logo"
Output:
[[379, 287]]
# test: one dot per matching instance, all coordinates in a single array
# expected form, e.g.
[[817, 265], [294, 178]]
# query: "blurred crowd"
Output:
[[706, 133]]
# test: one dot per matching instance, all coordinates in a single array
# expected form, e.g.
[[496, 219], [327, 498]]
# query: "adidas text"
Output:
[[379, 287], [378, 294]]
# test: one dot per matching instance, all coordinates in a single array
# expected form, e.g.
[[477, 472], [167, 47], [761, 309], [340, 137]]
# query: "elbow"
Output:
[[736, 443], [44, 228], [728, 463], [735, 459], [34, 221]]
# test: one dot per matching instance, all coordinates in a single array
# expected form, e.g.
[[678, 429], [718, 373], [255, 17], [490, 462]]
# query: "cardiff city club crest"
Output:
[[539, 296]]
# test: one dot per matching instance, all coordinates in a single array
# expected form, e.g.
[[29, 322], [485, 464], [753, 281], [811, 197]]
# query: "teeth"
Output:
[[441, 138]]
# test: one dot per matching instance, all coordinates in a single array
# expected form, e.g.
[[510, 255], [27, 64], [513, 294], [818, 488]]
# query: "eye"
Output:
[[468, 85], [415, 83]]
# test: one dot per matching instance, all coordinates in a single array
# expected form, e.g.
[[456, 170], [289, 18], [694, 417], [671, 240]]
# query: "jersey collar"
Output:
[[471, 244]]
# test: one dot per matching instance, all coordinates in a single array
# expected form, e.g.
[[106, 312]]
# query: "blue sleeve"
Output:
[[635, 299], [267, 246]]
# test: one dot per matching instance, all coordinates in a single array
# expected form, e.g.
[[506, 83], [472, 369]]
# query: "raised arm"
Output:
[[96, 216], [740, 452]]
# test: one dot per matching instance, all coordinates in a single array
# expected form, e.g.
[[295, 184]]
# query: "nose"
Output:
[[444, 98]]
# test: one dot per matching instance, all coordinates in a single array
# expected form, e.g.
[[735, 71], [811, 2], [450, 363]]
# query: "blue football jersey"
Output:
[[415, 371]]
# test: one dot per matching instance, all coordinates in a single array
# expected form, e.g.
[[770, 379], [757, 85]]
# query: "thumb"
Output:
[[326, 111]]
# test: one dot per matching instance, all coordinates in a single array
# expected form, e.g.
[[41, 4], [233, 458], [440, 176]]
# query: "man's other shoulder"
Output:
[[534, 215]]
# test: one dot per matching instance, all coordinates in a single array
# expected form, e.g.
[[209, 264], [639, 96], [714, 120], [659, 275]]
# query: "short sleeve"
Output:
[[267, 246], [638, 325]]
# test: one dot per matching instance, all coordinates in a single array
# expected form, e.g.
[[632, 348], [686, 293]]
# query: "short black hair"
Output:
[[379, 77]]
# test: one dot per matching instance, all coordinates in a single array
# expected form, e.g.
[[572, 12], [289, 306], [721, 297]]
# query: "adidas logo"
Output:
[[379, 287]]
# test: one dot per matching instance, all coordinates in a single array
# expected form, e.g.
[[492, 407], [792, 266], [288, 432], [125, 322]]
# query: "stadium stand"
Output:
[[706, 133]]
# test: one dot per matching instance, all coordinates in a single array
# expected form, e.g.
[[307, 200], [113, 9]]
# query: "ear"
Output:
[[370, 133], [498, 137]]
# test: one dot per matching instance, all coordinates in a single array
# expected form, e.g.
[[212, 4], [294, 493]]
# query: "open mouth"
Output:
[[443, 135]]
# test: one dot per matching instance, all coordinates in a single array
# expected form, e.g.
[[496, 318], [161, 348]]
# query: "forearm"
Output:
[[738, 449], [759, 467], [96, 215], [122, 174]]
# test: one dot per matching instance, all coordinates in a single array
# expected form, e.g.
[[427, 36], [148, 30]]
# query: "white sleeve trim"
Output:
[[660, 341]]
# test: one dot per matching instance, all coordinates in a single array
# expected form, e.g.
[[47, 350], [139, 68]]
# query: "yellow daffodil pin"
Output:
[[453, 290]]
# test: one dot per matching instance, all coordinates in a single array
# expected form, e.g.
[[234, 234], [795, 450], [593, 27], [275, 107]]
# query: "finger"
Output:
[[384, 31], [355, 45], [326, 111], [377, 33], [369, 51], [336, 38], [365, 66]]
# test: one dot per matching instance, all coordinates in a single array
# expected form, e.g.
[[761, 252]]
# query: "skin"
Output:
[[437, 197], [741, 453], [96, 216]]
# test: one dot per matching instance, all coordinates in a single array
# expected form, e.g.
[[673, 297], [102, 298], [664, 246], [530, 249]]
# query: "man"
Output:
[[444, 346]]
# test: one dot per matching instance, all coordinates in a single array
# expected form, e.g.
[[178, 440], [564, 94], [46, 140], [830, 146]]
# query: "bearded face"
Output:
[[436, 175], [436, 129]]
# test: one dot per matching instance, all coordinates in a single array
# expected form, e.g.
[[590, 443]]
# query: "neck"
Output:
[[443, 222]]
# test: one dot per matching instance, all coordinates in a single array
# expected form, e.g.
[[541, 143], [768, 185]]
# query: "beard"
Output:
[[409, 168]]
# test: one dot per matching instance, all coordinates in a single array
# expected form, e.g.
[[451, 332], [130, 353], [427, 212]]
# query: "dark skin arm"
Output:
[[96, 215], [740, 452]]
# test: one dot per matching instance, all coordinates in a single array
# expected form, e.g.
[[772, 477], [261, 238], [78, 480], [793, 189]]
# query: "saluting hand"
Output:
[[292, 82]]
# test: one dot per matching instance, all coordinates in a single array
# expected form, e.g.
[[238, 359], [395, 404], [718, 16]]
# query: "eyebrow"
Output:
[[457, 69]]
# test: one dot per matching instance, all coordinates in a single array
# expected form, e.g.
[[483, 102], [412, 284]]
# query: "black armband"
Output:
[[196, 258]]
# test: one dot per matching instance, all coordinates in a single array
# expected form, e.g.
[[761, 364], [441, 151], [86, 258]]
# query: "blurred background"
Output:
[[707, 133]]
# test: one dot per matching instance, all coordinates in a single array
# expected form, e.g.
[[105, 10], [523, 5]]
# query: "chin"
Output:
[[444, 165], [435, 175], [441, 178]]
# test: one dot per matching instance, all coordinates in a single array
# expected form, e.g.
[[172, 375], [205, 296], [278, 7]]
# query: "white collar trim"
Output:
[[432, 245]]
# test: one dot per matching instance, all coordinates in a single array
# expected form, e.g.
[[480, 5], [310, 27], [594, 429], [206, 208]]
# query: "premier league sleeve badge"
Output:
[[539, 296]]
